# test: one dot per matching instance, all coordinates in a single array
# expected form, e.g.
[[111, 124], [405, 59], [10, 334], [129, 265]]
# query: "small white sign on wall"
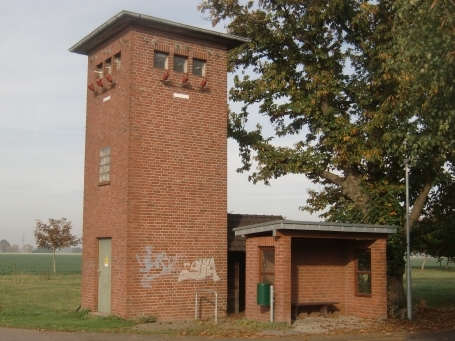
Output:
[[176, 95]]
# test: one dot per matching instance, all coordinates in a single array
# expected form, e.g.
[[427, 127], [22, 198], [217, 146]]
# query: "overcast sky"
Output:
[[42, 110]]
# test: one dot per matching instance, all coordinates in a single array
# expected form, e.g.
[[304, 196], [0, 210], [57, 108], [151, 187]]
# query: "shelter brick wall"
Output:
[[283, 279], [321, 270], [376, 305], [165, 206], [252, 310]]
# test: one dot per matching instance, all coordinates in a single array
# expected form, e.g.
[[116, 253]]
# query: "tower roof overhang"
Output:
[[126, 18]]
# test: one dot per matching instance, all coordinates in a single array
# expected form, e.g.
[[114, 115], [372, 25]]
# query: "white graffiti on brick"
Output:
[[154, 266], [200, 269]]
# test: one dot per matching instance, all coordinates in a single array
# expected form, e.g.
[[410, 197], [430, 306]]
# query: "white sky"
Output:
[[42, 115]]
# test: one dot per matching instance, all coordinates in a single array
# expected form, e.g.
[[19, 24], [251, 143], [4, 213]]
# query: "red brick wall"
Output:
[[321, 270], [252, 310], [283, 287], [105, 207], [376, 305], [165, 207]]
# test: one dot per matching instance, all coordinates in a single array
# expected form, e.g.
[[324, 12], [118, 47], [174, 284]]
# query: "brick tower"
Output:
[[155, 187]]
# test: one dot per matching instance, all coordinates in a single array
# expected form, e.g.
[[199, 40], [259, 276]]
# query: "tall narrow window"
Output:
[[108, 67], [267, 265], [160, 60], [363, 273], [180, 63], [199, 67], [99, 71], [105, 165], [117, 61]]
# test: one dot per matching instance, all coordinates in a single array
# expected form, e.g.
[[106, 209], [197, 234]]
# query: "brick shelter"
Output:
[[312, 263], [155, 186], [237, 257]]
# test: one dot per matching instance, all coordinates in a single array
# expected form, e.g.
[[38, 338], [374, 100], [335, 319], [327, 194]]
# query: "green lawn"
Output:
[[433, 286], [49, 302]]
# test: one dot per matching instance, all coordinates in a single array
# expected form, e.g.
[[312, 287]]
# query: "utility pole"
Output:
[[408, 246]]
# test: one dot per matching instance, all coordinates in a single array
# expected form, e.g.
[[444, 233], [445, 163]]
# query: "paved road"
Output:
[[399, 336], [7, 334]]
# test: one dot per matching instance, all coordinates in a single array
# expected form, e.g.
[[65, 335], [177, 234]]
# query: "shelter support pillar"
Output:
[[283, 279]]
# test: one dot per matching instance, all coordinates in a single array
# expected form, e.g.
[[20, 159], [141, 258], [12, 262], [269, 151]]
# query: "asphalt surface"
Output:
[[7, 334]]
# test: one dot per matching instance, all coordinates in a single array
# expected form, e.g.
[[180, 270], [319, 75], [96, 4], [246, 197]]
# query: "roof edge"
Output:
[[230, 40], [312, 226]]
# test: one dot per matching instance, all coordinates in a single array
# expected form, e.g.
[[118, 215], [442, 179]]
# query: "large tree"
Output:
[[55, 235], [361, 85]]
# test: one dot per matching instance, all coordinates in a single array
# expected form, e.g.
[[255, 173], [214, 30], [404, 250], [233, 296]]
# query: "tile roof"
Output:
[[237, 243]]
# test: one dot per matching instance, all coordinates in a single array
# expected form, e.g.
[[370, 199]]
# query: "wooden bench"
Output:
[[324, 307]]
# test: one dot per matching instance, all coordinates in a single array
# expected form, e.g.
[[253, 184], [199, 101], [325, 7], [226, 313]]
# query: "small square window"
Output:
[[180, 63], [199, 67], [105, 165], [117, 61], [160, 60], [363, 273]]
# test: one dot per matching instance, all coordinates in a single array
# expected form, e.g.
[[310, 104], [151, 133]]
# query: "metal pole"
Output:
[[216, 307], [271, 303], [216, 304], [195, 308], [408, 249]]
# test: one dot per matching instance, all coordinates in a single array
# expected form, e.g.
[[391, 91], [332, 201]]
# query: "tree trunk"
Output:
[[53, 258], [424, 261], [395, 295], [447, 264]]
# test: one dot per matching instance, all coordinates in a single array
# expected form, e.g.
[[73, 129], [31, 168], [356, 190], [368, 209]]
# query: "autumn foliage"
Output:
[[55, 235], [343, 92]]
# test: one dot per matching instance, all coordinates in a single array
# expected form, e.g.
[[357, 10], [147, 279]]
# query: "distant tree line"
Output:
[[6, 247]]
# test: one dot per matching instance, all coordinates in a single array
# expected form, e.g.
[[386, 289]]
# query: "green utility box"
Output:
[[263, 294]]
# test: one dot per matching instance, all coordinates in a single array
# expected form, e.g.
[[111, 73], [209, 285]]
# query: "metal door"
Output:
[[104, 276]]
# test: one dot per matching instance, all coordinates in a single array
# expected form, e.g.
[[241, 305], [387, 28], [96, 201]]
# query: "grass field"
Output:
[[46, 301], [434, 287], [39, 263], [49, 302]]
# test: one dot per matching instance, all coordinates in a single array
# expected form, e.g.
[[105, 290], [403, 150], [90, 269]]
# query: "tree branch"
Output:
[[333, 178], [420, 201], [350, 32], [304, 40], [350, 186]]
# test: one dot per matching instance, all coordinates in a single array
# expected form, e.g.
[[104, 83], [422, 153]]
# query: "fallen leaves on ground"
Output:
[[425, 319]]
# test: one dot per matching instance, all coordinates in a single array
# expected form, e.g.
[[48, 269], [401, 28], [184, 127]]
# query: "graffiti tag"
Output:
[[200, 269], [154, 266]]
